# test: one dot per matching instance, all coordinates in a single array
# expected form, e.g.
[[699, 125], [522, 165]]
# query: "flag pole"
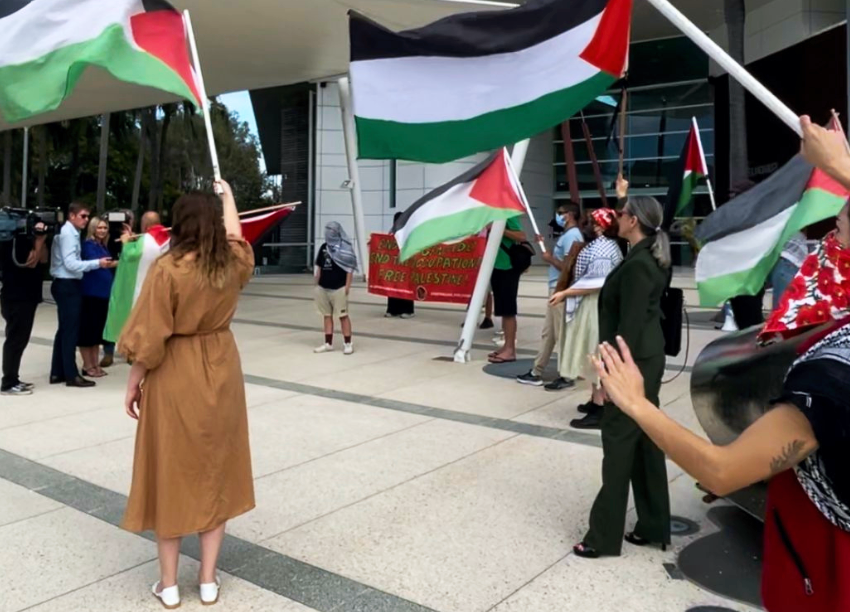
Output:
[[25, 167], [485, 271], [704, 163], [202, 91], [525, 202], [735, 70]]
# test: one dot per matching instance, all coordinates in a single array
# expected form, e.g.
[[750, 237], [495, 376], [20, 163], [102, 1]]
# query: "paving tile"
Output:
[[466, 536], [107, 465], [308, 427], [330, 483], [18, 503], [52, 554], [131, 591]]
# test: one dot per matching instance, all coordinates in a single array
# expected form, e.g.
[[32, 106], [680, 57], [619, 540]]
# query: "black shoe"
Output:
[[587, 552], [56, 380], [79, 381], [592, 420], [635, 540], [530, 378], [487, 323], [588, 407], [560, 383]]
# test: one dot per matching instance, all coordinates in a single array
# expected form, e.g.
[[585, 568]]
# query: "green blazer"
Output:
[[630, 303]]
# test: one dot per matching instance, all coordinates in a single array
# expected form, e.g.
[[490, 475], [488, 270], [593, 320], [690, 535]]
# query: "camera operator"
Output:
[[24, 260], [67, 269]]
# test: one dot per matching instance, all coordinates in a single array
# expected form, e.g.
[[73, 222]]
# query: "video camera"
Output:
[[116, 219], [21, 222]]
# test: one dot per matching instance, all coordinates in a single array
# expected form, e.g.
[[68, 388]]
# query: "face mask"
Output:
[[561, 220]]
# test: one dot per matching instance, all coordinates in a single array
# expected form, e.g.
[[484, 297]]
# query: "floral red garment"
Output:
[[819, 293]]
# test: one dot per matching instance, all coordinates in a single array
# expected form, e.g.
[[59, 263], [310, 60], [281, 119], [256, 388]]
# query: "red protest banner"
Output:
[[444, 273]]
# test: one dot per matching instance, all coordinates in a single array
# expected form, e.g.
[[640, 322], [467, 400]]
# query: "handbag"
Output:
[[672, 309], [520, 254], [568, 271]]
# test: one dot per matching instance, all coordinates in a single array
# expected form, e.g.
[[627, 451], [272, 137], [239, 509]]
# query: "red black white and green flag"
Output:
[[46, 45], [743, 239], [691, 169], [486, 193], [475, 82]]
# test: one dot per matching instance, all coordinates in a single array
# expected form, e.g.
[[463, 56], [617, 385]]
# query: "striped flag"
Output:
[[692, 168], [46, 45], [476, 82], [743, 239], [488, 192]]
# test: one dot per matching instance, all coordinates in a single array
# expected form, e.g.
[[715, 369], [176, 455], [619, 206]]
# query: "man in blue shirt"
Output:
[[567, 218], [67, 269]]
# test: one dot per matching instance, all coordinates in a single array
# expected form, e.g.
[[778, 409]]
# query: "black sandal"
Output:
[[587, 552], [635, 540]]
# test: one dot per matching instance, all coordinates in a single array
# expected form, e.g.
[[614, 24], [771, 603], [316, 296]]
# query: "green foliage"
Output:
[[68, 153]]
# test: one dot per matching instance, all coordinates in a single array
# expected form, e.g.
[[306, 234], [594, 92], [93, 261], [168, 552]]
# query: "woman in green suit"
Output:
[[630, 306]]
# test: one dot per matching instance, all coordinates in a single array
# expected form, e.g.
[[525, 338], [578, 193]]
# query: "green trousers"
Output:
[[629, 456]]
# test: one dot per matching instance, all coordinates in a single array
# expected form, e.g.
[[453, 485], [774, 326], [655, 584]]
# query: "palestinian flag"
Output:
[[691, 170], [488, 192], [136, 259], [256, 228], [45, 45], [743, 239], [476, 82]]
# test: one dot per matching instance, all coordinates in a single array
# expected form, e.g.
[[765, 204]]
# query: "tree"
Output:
[[736, 14]]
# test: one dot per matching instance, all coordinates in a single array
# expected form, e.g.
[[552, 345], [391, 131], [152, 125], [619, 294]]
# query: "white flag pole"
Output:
[[735, 70], [482, 283], [202, 91], [704, 163], [525, 203]]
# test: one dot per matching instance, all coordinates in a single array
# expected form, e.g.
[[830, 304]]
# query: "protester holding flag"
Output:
[[630, 307], [192, 465], [580, 330], [336, 263]]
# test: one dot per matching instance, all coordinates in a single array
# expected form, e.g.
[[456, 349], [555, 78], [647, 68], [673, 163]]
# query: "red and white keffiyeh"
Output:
[[819, 293]]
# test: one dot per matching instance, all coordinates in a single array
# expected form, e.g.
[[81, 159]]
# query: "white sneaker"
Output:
[[325, 348], [348, 350], [209, 592], [19, 389], [170, 597]]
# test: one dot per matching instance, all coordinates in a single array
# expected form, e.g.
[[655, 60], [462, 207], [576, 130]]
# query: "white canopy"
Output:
[[251, 44]]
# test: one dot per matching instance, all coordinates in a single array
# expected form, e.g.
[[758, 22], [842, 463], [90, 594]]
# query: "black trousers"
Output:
[[748, 309], [19, 317], [397, 306], [630, 457], [69, 299]]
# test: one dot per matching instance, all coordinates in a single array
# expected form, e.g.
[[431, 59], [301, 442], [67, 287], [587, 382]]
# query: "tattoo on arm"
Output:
[[789, 457]]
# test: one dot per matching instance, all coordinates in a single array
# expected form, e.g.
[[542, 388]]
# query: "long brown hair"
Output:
[[199, 228]]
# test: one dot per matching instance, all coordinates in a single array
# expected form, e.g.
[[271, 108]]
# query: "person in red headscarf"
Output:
[[820, 292], [580, 332]]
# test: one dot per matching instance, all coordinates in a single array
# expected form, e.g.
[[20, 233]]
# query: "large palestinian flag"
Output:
[[488, 192], [45, 45], [691, 169], [475, 82], [743, 239]]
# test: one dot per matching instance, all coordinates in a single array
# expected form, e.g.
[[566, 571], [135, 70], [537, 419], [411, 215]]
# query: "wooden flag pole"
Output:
[[624, 101], [735, 70], [705, 163], [202, 90]]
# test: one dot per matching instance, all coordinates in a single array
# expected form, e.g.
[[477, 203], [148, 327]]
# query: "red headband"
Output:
[[603, 217]]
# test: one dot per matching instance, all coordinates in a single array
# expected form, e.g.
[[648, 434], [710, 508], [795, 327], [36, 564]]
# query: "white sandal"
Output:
[[209, 592], [169, 597]]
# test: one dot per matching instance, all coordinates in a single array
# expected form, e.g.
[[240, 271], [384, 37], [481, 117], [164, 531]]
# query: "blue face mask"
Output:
[[561, 220]]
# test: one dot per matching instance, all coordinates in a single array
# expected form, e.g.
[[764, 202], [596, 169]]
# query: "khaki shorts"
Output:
[[332, 302]]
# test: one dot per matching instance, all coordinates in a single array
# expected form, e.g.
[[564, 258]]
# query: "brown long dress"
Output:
[[192, 465]]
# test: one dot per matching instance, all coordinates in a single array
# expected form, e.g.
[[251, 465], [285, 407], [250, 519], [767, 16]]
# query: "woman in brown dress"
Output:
[[192, 466]]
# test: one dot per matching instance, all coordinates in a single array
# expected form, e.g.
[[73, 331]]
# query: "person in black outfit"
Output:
[[23, 265], [399, 307]]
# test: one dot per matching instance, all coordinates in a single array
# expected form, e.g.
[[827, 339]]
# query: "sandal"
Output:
[[587, 552], [94, 373], [636, 540], [169, 597], [497, 359], [210, 592]]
